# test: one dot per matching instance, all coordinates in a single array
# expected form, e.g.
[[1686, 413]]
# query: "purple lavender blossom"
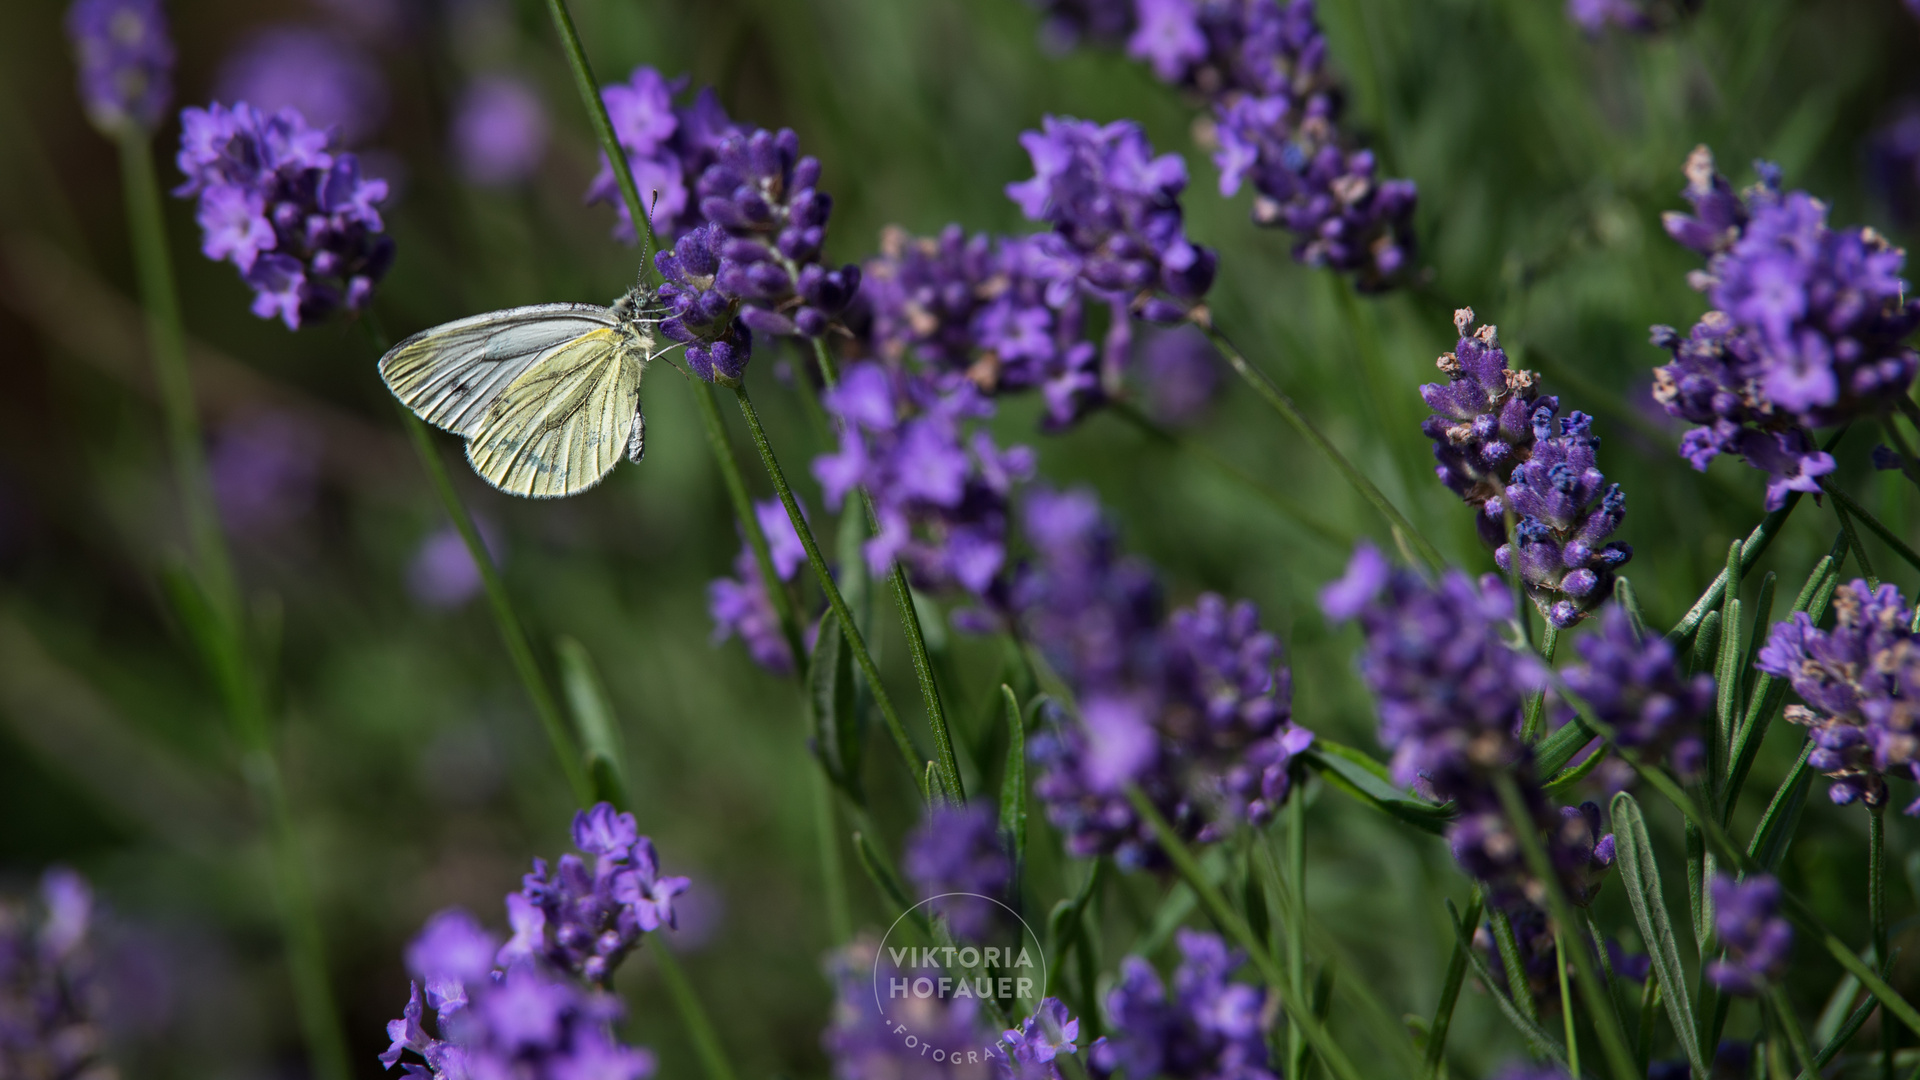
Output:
[[499, 131], [125, 57], [1806, 329], [940, 487], [1483, 423], [1208, 1027], [700, 314], [958, 850], [442, 574], [1639, 687], [1757, 940], [1861, 684], [1032, 1050], [584, 920], [523, 1019], [1450, 694], [1115, 212], [863, 1044], [265, 471], [53, 1001], [1179, 374], [668, 146], [740, 607], [296, 218], [330, 82], [1564, 517], [1066, 24], [1594, 17]]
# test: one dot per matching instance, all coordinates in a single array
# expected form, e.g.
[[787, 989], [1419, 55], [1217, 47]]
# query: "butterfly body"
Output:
[[547, 396]]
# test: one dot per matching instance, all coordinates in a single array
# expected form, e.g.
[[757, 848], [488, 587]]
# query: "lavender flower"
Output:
[[125, 57], [527, 1019], [957, 850], [296, 218], [740, 605], [584, 921], [1564, 515], [1179, 373], [940, 486], [1638, 687], [668, 146], [324, 78], [863, 1042], [499, 131], [1861, 684], [1115, 212], [1756, 938], [1208, 1028], [1806, 329], [1450, 694], [52, 999], [1483, 423], [1595, 17], [1032, 1050], [265, 472], [443, 574], [699, 313], [1068, 23]]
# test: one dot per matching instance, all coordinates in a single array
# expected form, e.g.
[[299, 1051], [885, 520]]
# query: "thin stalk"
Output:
[[1908, 466], [910, 622], [1296, 928], [838, 603], [1751, 549], [1797, 1038], [1649, 1011], [1877, 916], [243, 695], [833, 882], [1536, 708], [1298, 1009], [597, 116], [1380, 390], [1290, 412], [512, 634], [706, 1044], [1863, 516], [1449, 995], [1859, 547], [1613, 1042], [1509, 948], [1566, 1000], [1288, 507]]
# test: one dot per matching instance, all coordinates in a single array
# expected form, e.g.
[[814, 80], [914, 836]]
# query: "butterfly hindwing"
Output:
[[564, 423], [452, 374]]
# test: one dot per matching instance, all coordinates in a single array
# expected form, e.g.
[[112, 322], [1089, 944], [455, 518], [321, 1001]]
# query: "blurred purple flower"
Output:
[[1596, 16], [1638, 687], [265, 471], [1861, 684], [54, 1002], [1179, 372], [740, 606], [1032, 1050], [125, 56], [1208, 1028], [324, 78], [1065, 24], [296, 218], [442, 574], [958, 850], [1757, 940], [499, 131], [667, 146], [862, 1042]]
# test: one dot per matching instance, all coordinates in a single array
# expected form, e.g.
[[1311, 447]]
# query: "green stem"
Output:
[[833, 882], [1566, 1000], [1296, 916], [1613, 1042], [226, 645], [1643, 1036], [1288, 508], [1298, 1009], [597, 116], [1381, 391], [1796, 1038], [699, 1028], [1536, 708], [1877, 917], [910, 622], [1290, 412], [838, 603], [1853, 540], [1751, 549], [1449, 995], [1859, 513], [1908, 466], [512, 634]]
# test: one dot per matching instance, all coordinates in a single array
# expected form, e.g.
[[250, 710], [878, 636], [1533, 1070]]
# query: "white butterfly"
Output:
[[547, 396]]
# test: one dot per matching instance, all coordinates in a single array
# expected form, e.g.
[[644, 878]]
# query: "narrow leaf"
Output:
[[1640, 876], [875, 864], [1013, 788], [1777, 825], [602, 750], [1364, 786], [1536, 1036], [1629, 601], [839, 728]]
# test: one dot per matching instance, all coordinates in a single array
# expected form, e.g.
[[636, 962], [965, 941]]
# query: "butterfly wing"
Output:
[[453, 373], [562, 425]]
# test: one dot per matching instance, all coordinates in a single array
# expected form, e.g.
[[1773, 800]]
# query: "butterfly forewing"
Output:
[[565, 422], [452, 374]]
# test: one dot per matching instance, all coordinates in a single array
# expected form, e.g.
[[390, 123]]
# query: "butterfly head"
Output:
[[640, 304]]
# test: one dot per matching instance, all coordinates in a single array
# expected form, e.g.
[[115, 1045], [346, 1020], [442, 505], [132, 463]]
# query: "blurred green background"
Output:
[[418, 773]]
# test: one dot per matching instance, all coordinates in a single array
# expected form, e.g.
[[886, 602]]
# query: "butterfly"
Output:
[[547, 396]]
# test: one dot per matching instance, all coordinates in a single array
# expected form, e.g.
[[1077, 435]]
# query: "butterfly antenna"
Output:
[[646, 260]]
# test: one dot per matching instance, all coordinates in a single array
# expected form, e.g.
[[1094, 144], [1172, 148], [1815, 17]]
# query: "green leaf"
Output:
[[878, 870], [1775, 831], [1259, 919], [1063, 925], [603, 753], [1640, 876], [839, 725], [1558, 748], [1013, 788], [1629, 602], [1536, 1036], [1363, 784]]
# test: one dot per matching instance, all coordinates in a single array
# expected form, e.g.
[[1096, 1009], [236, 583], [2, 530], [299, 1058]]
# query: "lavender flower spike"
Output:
[[126, 62], [1861, 684], [1757, 940], [1482, 427], [1639, 687], [1564, 516], [1032, 1050], [1208, 1027]]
